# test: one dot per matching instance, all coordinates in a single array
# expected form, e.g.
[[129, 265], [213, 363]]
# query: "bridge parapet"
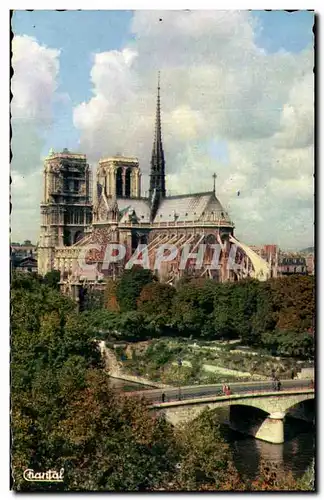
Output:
[[274, 404]]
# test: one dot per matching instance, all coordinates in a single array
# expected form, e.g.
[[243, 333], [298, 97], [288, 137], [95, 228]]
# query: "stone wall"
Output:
[[306, 373], [115, 368], [184, 411]]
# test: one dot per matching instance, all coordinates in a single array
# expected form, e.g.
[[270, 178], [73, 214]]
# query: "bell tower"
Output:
[[120, 177], [66, 208]]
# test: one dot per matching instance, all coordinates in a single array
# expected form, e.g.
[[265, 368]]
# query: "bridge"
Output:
[[252, 408]]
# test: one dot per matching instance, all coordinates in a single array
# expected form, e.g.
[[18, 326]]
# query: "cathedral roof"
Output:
[[189, 207], [140, 205]]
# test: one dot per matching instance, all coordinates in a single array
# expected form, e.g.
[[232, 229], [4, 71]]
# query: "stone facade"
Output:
[[66, 208]]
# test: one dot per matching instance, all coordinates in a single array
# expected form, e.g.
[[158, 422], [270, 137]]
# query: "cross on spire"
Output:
[[214, 177]]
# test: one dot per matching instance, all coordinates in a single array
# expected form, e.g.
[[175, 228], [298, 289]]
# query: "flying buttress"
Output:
[[261, 267]]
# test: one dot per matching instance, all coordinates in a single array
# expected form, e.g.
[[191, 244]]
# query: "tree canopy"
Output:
[[64, 414], [274, 314], [130, 286]]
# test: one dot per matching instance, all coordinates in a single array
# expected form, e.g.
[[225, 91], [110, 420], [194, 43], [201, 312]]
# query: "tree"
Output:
[[101, 324], [204, 456], [293, 302], [156, 299], [104, 441], [130, 286], [133, 325], [224, 316], [25, 281], [52, 279], [50, 351], [110, 295], [92, 299], [244, 305], [290, 343], [187, 316]]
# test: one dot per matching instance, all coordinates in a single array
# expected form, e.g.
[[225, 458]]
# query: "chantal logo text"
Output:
[[50, 476]]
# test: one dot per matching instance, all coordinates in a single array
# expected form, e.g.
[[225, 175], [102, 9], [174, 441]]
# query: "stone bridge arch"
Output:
[[274, 405], [303, 410]]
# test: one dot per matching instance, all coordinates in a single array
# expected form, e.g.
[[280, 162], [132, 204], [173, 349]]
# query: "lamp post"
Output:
[[179, 366]]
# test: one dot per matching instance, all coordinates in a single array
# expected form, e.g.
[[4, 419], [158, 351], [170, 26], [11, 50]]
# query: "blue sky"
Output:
[[291, 31], [239, 103], [80, 34]]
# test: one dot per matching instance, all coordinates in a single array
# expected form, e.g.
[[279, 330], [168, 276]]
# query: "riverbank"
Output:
[[169, 362], [116, 371]]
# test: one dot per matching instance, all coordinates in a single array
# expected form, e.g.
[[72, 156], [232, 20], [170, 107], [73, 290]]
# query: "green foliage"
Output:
[[132, 326], [289, 343], [248, 310], [191, 310], [101, 324], [64, 414], [50, 352], [159, 353], [114, 443], [205, 457], [130, 286], [223, 318], [93, 300], [110, 298], [156, 299], [25, 281], [52, 279], [252, 311]]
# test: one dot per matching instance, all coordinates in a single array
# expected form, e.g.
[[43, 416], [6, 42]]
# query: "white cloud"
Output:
[[25, 199], [216, 84], [297, 119], [34, 80], [33, 86]]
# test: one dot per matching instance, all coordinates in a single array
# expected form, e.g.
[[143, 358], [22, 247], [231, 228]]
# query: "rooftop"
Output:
[[119, 159]]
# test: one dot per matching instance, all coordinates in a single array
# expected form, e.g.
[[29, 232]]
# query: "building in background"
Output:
[[310, 263], [24, 256], [289, 264]]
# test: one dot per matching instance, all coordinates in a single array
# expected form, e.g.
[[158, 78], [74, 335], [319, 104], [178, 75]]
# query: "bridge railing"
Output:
[[176, 394]]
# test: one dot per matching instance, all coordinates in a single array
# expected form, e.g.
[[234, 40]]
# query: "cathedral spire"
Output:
[[157, 175]]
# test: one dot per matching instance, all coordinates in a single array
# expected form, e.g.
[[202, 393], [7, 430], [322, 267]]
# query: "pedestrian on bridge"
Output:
[[278, 385], [274, 382], [163, 397]]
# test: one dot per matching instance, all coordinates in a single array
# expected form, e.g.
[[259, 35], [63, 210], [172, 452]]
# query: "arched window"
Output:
[[128, 183], [119, 182], [67, 238]]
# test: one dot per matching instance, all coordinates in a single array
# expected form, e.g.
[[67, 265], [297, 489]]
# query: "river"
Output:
[[295, 454]]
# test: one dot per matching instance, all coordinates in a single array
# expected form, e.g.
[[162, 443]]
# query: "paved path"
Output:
[[201, 391]]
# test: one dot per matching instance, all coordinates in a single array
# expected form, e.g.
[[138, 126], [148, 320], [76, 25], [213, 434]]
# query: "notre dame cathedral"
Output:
[[74, 221]]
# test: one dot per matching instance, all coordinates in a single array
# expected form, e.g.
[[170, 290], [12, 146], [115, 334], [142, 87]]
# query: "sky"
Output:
[[237, 99]]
